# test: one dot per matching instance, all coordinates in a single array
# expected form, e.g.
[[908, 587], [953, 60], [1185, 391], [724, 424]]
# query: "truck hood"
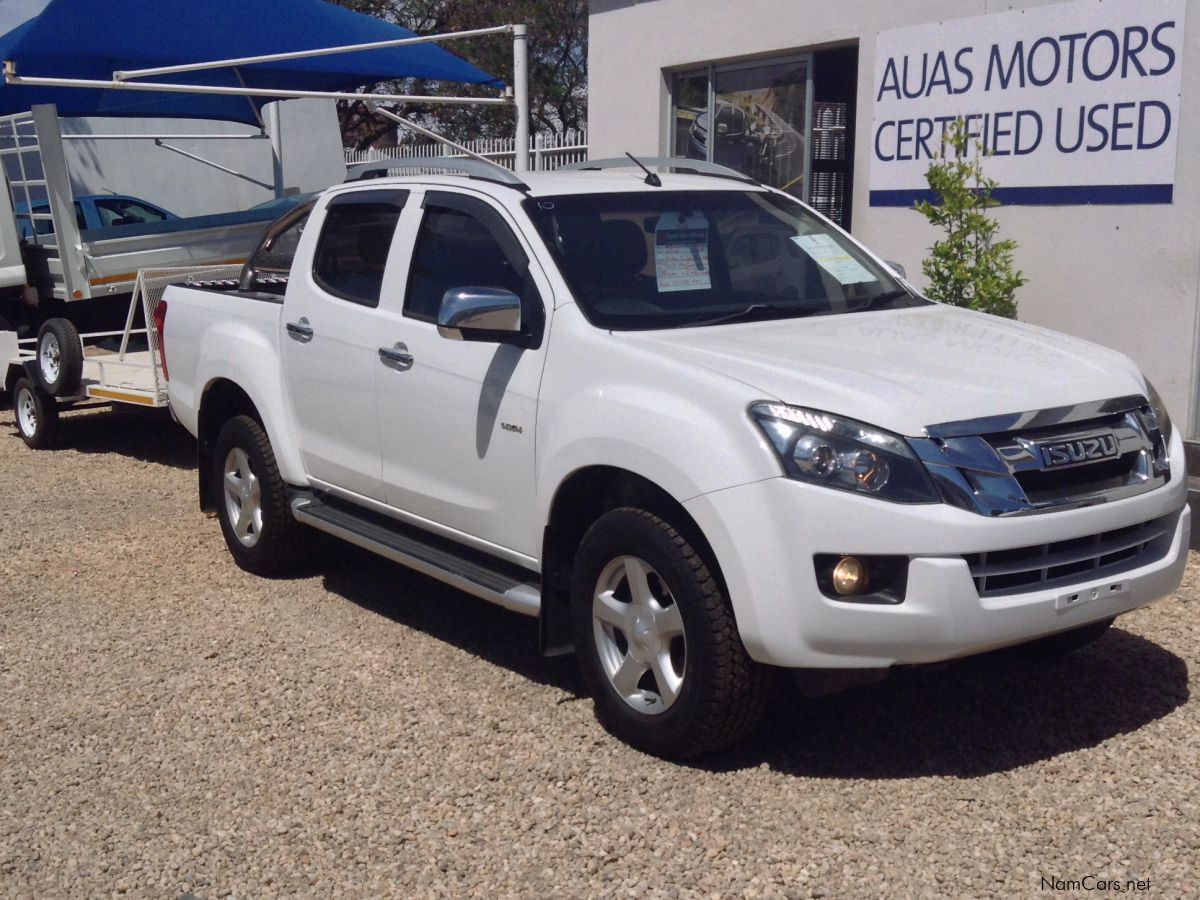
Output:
[[905, 369]]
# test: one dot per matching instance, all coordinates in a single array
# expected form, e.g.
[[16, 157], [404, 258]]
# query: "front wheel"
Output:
[[36, 413], [252, 503], [657, 642]]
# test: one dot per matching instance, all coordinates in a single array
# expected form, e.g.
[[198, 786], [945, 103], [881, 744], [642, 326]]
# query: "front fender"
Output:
[[684, 429]]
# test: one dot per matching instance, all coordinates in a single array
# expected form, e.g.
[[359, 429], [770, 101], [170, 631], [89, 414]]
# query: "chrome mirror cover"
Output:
[[492, 311]]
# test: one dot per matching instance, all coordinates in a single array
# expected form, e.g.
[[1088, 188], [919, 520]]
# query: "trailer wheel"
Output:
[[59, 364], [36, 413]]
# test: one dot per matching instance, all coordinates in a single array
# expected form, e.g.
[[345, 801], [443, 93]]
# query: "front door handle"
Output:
[[396, 357], [300, 331]]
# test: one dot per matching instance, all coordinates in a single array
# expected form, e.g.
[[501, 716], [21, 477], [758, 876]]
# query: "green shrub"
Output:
[[968, 267]]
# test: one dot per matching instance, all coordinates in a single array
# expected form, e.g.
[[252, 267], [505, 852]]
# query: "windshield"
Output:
[[672, 259]]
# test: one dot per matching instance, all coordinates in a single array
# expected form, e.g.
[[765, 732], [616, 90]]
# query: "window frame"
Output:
[[533, 310], [106, 203], [381, 196]]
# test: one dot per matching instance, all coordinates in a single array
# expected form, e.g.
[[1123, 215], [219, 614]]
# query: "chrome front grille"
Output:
[[1047, 460], [1070, 562]]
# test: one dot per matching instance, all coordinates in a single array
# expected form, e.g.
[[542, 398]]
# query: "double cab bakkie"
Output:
[[697, 430]]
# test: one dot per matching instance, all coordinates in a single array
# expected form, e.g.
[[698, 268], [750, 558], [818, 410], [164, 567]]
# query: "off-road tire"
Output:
[[281, 542], [36, 413], [64, 380], [724, 692]]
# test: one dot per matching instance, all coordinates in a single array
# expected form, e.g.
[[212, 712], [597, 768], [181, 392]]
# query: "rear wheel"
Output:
[[59, 365], [252, 503], [657, 642], [36, 413]]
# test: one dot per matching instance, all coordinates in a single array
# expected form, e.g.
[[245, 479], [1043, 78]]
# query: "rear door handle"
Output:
[[396, 357], [300, 331]]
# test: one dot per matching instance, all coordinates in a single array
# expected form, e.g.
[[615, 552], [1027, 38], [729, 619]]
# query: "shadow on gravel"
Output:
[[482, 629], [984, 715], [146, 434], [980, 716]]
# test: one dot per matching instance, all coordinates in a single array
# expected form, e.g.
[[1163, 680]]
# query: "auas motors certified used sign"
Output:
[[1074, 103]]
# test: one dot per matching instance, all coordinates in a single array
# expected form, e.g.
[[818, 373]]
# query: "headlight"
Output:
[[1159, 410], [840, 453]]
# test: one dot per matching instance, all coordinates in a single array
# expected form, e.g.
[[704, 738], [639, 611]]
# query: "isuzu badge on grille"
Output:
[[1078, 450]]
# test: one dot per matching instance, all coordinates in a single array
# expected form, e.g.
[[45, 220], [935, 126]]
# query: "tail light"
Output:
[[160, 325]]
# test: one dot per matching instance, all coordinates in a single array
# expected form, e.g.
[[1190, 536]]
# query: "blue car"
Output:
[[94, 211]]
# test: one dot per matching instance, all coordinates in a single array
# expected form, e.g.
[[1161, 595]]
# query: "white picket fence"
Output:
[[546, 151]]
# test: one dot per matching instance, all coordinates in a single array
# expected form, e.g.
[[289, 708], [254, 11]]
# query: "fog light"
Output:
[[850, 577]]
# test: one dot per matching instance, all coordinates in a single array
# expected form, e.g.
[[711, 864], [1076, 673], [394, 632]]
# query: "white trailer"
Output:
[[52, 261], [63, 369]]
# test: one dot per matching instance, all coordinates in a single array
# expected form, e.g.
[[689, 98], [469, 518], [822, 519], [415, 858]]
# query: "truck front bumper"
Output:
[[765, 536]]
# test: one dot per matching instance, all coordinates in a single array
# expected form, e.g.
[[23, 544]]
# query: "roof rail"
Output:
[[679, 164], [472, 168]]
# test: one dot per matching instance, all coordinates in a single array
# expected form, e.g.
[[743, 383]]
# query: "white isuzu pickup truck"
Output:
[[696, 429]]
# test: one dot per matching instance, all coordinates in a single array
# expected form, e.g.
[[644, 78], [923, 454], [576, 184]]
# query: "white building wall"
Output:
[[312, 159], [1124, 276]]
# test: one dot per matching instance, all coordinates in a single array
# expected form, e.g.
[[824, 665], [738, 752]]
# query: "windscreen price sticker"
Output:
[[834, 259], [681, 253]]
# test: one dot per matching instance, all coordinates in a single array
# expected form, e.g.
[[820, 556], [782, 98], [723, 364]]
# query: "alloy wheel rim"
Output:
[[50, 357], [26, 412], [639, 635], [243, 497]]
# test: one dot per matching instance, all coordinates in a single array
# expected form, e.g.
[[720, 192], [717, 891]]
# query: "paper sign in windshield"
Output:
[[681, 253], [830, 256]]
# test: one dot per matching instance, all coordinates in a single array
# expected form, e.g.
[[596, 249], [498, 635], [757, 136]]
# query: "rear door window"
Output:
[[353, 247]]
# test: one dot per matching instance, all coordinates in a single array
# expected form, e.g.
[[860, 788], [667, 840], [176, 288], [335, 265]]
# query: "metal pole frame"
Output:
[[420, 129], [521, 96], [276, 186], [121, 80], [164, 137], [308, 54], [10, 77]]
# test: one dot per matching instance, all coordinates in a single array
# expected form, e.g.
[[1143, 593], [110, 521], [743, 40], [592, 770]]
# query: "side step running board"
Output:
[[429, 556]]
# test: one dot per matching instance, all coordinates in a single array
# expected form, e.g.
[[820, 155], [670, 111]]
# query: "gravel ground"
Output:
[[171, 726]]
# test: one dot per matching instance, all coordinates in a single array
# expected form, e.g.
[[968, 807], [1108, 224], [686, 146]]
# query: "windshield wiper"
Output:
[[753, 312]]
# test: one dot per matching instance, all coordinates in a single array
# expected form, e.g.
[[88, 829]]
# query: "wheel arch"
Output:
[[222, 400], [15, 372], [582, 498]]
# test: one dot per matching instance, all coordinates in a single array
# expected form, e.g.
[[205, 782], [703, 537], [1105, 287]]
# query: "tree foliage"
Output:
[[969, 266], [557, 67]]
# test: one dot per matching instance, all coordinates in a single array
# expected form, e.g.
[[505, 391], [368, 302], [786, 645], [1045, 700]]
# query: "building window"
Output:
[[784, 122]]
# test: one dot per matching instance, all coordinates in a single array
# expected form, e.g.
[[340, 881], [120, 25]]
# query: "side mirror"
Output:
[[479, 314], [897, 268]]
